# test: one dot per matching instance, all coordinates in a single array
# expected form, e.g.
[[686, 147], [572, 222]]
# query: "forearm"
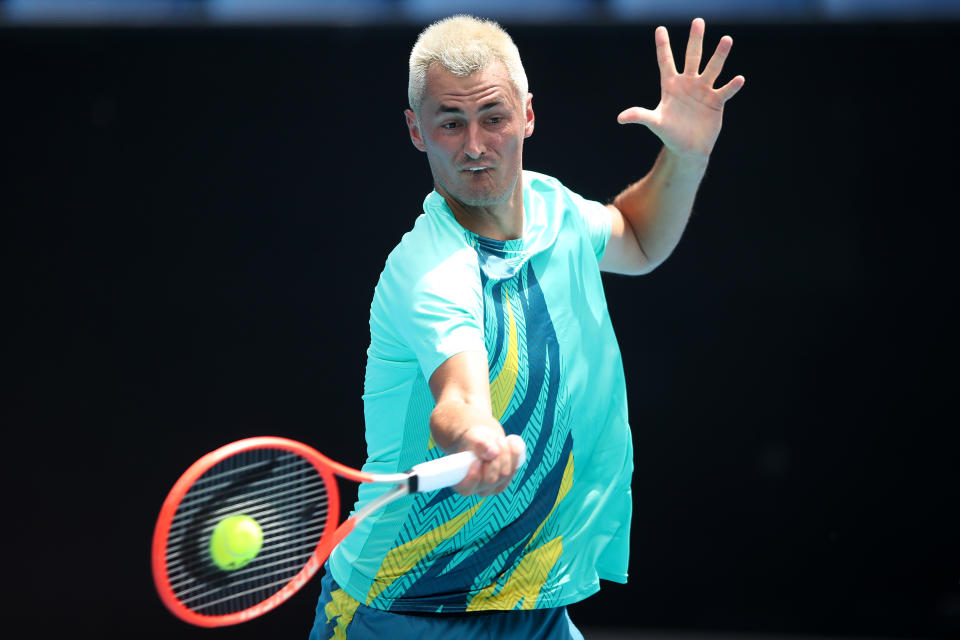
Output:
[[462, 420], [658, 206], [452, 418]]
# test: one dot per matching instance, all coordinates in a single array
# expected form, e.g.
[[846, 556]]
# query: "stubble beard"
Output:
[[486, 198]]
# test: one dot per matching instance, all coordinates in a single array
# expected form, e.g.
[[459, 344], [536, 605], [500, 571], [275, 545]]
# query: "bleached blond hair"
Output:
[[463, 45]]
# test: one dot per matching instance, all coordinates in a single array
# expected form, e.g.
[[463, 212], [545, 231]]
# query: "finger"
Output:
[[664, 53], [483, 442], [491, 485], [496, 469], [730, 89], [468, 486], [715, 64], [490, 450], [691, 65], [490, 490], [637, 115], [492, 472]]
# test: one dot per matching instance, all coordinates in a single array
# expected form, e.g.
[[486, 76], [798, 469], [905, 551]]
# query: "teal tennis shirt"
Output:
[[536, 307]]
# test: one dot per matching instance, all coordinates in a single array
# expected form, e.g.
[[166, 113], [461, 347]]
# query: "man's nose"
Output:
[[474, 147]]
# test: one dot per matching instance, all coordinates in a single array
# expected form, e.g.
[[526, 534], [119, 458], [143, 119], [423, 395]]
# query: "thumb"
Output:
[[636, 115]]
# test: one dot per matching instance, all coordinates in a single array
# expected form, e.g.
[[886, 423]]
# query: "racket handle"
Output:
[[450, 470], [523, 449], [442, 472]]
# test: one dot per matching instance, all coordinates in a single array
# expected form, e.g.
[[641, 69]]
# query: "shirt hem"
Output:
[[573, 598]]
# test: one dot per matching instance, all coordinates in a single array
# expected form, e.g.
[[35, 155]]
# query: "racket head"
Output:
[[288, 487]]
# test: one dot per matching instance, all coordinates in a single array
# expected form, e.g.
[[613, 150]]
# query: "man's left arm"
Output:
[[649, 216]]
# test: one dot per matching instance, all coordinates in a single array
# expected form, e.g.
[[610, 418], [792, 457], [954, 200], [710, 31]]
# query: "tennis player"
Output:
[[489, 319]]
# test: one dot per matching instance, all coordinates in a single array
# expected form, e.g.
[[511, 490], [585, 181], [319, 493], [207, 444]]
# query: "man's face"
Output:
[[472, 130]]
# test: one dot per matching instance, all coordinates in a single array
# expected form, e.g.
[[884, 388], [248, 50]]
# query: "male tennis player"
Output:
[[489, 319]]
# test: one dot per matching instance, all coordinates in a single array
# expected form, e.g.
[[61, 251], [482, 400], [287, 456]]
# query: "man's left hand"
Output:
[[690, 112]]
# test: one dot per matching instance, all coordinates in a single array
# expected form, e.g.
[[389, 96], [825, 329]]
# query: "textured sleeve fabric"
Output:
[[428, 305], [596, 220]]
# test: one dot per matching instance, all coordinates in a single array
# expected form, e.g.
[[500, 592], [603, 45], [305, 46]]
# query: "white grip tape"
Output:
[[443, 472], [523, 449], [450, 470]]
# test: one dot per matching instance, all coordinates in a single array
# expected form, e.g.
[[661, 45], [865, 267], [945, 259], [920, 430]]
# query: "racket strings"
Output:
[[279, 536], [283, 550], [188, 592], [206, 487], [282, 492], [285, 499], [280, 539]]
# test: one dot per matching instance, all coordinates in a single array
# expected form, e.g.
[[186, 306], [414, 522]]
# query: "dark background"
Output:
[[194, 220]]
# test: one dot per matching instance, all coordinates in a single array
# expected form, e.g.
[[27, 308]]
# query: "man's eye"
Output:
[[495, 119], [449, 125]]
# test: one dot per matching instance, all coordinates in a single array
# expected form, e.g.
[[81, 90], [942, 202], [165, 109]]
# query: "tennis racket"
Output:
[[289, 492]]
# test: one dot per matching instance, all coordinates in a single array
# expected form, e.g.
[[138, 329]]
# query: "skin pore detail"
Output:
[[472, 129]]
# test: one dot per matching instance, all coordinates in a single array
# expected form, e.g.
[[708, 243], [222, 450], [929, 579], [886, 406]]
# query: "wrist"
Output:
[[685, 162], [458, 426]]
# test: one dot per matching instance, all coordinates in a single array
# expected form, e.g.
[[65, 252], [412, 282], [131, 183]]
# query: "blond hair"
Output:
[[463, 45]]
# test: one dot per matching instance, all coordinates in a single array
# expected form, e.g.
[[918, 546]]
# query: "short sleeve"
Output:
[[434, 312], [596, 218]]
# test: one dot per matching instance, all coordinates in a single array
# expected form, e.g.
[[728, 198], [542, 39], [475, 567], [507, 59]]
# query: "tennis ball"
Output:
[[236, 540]]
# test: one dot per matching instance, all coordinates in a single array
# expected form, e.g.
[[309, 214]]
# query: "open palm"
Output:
[[690, 113]]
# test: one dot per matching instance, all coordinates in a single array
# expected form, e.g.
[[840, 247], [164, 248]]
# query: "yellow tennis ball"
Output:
[[236, 540]]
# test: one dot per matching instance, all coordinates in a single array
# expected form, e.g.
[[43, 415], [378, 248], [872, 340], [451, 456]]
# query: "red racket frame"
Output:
[[332, 534]]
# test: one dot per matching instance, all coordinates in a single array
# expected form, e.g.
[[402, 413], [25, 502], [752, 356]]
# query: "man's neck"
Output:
[[499, 221]]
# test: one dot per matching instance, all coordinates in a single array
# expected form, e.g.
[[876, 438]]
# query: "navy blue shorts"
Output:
[[341, 617]]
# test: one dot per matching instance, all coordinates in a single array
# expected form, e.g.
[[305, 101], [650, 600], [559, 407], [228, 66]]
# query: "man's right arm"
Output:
[[463, 420]]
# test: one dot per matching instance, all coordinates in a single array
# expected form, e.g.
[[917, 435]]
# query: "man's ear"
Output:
[[413, 125], [528, 125]]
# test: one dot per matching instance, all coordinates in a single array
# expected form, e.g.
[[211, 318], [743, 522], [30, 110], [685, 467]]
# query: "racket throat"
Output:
[[398, 491]]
